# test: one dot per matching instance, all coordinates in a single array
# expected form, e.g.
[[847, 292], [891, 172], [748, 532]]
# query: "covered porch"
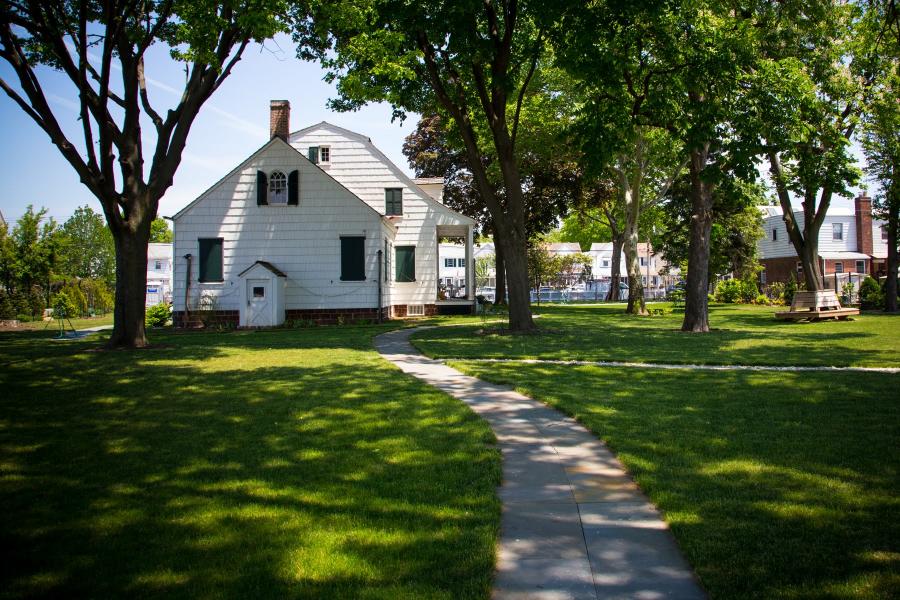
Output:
[[456, 299]]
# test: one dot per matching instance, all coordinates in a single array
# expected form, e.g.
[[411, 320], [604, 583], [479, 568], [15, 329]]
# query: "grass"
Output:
[[250, 464], [53, 326], [776, 485], [747, 335]]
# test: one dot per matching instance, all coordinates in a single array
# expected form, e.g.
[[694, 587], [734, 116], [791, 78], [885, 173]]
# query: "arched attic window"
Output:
[[277, 188]]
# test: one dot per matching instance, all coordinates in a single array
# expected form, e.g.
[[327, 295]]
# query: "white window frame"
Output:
[[449, 263], [837, 232], [838, 267], [277, 194], [324, 155]]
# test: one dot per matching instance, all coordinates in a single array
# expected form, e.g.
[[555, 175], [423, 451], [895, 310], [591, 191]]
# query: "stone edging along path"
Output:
[[574, 524], [638, 365]]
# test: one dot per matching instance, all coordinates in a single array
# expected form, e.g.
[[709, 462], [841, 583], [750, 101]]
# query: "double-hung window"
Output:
[[449, 262], [838, 267], [837, 231], [393, 201], [405, 263], [210, 263], [860, 266]]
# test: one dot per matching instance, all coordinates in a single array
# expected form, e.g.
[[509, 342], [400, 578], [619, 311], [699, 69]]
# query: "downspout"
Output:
[[187, 289], [380, 256]]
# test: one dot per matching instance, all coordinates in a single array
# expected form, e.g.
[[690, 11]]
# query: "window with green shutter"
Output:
[[406, 263], [353, 258], [313, 154], [393, 201], [210, 263]]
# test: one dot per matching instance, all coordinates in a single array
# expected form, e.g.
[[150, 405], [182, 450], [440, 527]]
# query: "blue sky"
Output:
[[231, 125]]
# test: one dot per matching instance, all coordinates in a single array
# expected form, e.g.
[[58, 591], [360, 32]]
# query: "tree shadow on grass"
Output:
[[775, 485], [219, 468], [743, 336]]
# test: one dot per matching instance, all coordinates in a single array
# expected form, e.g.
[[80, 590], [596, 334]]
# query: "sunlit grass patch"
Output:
[[748, 335], [252, 464], [776, 485]]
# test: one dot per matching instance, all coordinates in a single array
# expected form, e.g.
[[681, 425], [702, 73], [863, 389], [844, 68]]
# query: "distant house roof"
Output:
[[601, 247], [564, 247], [157, 250], [844, 255], [266, 265], [428, 180], [833, 211]]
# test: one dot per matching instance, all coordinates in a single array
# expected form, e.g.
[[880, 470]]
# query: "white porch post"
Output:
[[470, 264]]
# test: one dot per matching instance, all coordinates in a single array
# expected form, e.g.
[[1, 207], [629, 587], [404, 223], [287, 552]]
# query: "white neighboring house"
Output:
[[652, 264], [453, 269], [159, 274], [321, 224], [850, 241]]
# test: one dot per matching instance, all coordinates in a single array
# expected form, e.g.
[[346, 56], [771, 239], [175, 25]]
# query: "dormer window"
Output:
[[277, 188]]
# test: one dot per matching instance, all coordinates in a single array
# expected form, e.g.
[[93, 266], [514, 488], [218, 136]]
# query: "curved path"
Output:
[[574, 524]]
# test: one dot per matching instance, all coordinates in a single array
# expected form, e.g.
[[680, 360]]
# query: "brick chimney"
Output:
[[279, 119], [863, 205]]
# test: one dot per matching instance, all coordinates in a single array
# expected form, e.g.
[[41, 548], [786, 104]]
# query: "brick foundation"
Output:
[[399, 311], [202, 318], [334, 316]]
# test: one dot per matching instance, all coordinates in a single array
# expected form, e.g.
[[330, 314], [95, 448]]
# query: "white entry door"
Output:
[[259, 312]]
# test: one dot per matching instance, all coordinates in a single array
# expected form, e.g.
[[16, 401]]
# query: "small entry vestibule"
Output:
[[262, 295]]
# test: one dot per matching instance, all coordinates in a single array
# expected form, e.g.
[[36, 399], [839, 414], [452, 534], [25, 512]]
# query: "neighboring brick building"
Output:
[[850, 241]]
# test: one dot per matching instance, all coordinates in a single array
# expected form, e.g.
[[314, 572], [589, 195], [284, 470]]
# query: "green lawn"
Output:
[[244, 465], [776, 485], [53, 326], [743, 335]]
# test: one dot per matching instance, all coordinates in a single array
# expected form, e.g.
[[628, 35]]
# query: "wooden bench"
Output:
[[815, 306]]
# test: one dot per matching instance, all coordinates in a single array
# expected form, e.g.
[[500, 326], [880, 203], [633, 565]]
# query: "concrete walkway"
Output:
[[574, 524], [673, 366]]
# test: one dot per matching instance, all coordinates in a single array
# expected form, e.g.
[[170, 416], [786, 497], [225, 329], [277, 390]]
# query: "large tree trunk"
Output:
[[632, 201], [500, 272], [812, 266], [890, 284], [636, 304], [805, 242], [615, 271], [131, 289], [515, 257], [696, 302]]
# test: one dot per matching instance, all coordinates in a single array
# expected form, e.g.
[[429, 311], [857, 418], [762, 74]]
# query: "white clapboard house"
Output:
[[316, 225]]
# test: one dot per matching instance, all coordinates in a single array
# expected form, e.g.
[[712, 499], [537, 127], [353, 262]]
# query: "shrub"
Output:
[[23, 318], [790, 288], [7, 308], [870, 294], [64, 307], [158, 316], [762, 299]]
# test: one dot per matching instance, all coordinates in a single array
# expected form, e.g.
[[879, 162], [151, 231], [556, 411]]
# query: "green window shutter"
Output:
[[262, 189], [406, 263], [294, 188], [353, 258], [313, 154], [210, 265], [393, 201]]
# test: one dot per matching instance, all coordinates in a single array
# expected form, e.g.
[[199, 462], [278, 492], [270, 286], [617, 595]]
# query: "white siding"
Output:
[[303, 241], [879, 246], [783, 246], [366, 172]]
